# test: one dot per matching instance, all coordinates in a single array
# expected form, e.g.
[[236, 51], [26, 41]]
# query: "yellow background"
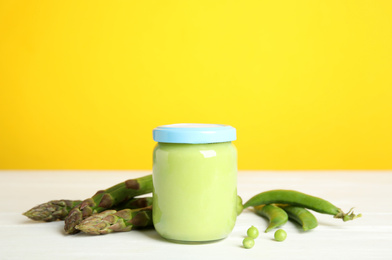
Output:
[[307, 84]]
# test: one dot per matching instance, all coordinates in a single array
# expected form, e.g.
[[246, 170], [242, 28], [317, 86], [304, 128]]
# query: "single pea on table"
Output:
[[248, 242], [252, 232], [280, 235]]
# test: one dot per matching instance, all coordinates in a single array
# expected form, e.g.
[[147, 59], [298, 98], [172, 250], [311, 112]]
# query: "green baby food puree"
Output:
[[195, 190]]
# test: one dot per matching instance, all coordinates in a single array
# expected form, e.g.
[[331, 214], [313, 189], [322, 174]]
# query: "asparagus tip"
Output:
[[73, 219]]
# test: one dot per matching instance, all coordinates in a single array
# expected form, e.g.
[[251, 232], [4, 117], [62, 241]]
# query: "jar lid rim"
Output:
[[194, 133]]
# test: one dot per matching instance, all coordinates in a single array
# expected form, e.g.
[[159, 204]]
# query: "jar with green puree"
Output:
[[195, 182]]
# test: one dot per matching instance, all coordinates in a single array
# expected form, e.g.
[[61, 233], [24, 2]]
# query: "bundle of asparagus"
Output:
[[111, 210]]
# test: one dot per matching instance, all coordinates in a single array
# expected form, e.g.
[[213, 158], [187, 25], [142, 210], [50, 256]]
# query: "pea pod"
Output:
[[300, 199], [302, 216], [276, 216]]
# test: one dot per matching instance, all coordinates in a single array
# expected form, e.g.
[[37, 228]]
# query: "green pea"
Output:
[[252, 232], [280, 235], [248, 242]]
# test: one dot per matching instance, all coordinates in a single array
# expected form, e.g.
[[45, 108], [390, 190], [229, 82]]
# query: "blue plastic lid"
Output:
[[194, 133]]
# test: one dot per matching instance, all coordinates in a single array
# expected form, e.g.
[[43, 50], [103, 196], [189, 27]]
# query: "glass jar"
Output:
[[195, 182]]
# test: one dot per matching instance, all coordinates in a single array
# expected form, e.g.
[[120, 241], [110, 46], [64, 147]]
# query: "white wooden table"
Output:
[[369, 237]]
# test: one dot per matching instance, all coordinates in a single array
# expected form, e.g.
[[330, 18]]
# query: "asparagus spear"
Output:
[[59, 209], [134, 203], [52, 210], [107, 199], [110, 221]]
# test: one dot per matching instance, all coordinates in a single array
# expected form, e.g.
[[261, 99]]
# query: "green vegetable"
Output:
[[280, 235], [296, 198], [252, 232], [134, 203], [240, 207], [302, 216], [52, 210], [276, 216], [248, 242], [107, 199], [59, 209], [110, 221]]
